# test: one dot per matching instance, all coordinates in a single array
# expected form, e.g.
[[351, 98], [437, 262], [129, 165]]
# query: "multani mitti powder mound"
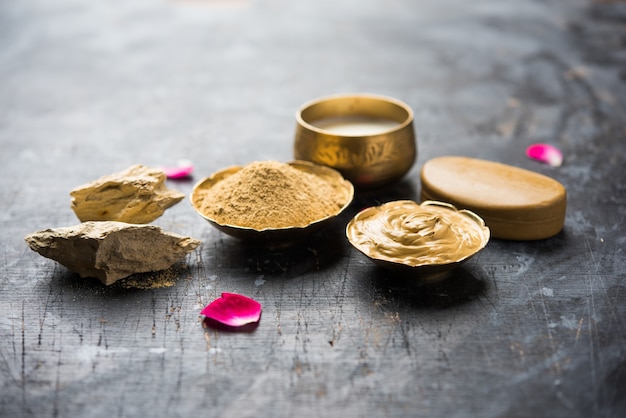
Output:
[[516, 204], [270, 195]]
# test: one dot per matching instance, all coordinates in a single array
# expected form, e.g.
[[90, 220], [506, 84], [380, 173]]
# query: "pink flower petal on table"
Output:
[[545, 153], [182, 170], [233, 310]]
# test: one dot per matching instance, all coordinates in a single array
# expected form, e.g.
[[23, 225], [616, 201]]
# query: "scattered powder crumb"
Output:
[[152, 280]]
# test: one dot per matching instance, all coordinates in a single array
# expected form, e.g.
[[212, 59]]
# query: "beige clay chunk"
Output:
[[110, 251], [136, 195]]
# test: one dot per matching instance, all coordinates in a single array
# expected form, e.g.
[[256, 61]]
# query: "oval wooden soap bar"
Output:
[[516, 204]]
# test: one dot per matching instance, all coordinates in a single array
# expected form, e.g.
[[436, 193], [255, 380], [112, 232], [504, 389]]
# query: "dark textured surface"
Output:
[[523, 329]]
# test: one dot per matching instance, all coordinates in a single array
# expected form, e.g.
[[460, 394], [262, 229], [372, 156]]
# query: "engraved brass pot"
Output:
[[366, 156]]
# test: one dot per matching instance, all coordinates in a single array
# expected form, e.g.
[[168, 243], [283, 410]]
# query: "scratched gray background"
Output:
[[89, 88]]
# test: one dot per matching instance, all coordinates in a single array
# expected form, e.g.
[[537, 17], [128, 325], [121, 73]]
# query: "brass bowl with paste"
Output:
[[283, 234], [424, 240], [369, 138]]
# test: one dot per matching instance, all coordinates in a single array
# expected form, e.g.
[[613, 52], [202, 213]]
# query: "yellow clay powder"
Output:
[[270, 194]]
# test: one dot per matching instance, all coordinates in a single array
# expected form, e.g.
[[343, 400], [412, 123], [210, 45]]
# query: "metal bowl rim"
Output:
[[408, 122]]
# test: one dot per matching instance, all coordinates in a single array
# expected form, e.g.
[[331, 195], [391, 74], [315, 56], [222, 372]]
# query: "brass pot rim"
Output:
[[377, 100]]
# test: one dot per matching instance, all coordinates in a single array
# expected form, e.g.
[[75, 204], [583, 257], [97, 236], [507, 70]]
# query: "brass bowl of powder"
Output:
[[369, 138], [270, 201], [421, 240]]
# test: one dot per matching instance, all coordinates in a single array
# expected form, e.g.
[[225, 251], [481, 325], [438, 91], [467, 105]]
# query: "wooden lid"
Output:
[[516, 204]]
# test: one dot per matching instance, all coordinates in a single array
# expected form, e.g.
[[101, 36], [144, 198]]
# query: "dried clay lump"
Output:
[[136, 195], [111, 251]]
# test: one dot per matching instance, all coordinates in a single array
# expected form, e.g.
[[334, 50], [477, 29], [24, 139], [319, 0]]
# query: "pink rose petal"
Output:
[[182, 170], [545, 153], [233, 310]]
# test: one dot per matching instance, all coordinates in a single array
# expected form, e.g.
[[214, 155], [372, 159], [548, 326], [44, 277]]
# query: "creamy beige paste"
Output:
[[405, 232]]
